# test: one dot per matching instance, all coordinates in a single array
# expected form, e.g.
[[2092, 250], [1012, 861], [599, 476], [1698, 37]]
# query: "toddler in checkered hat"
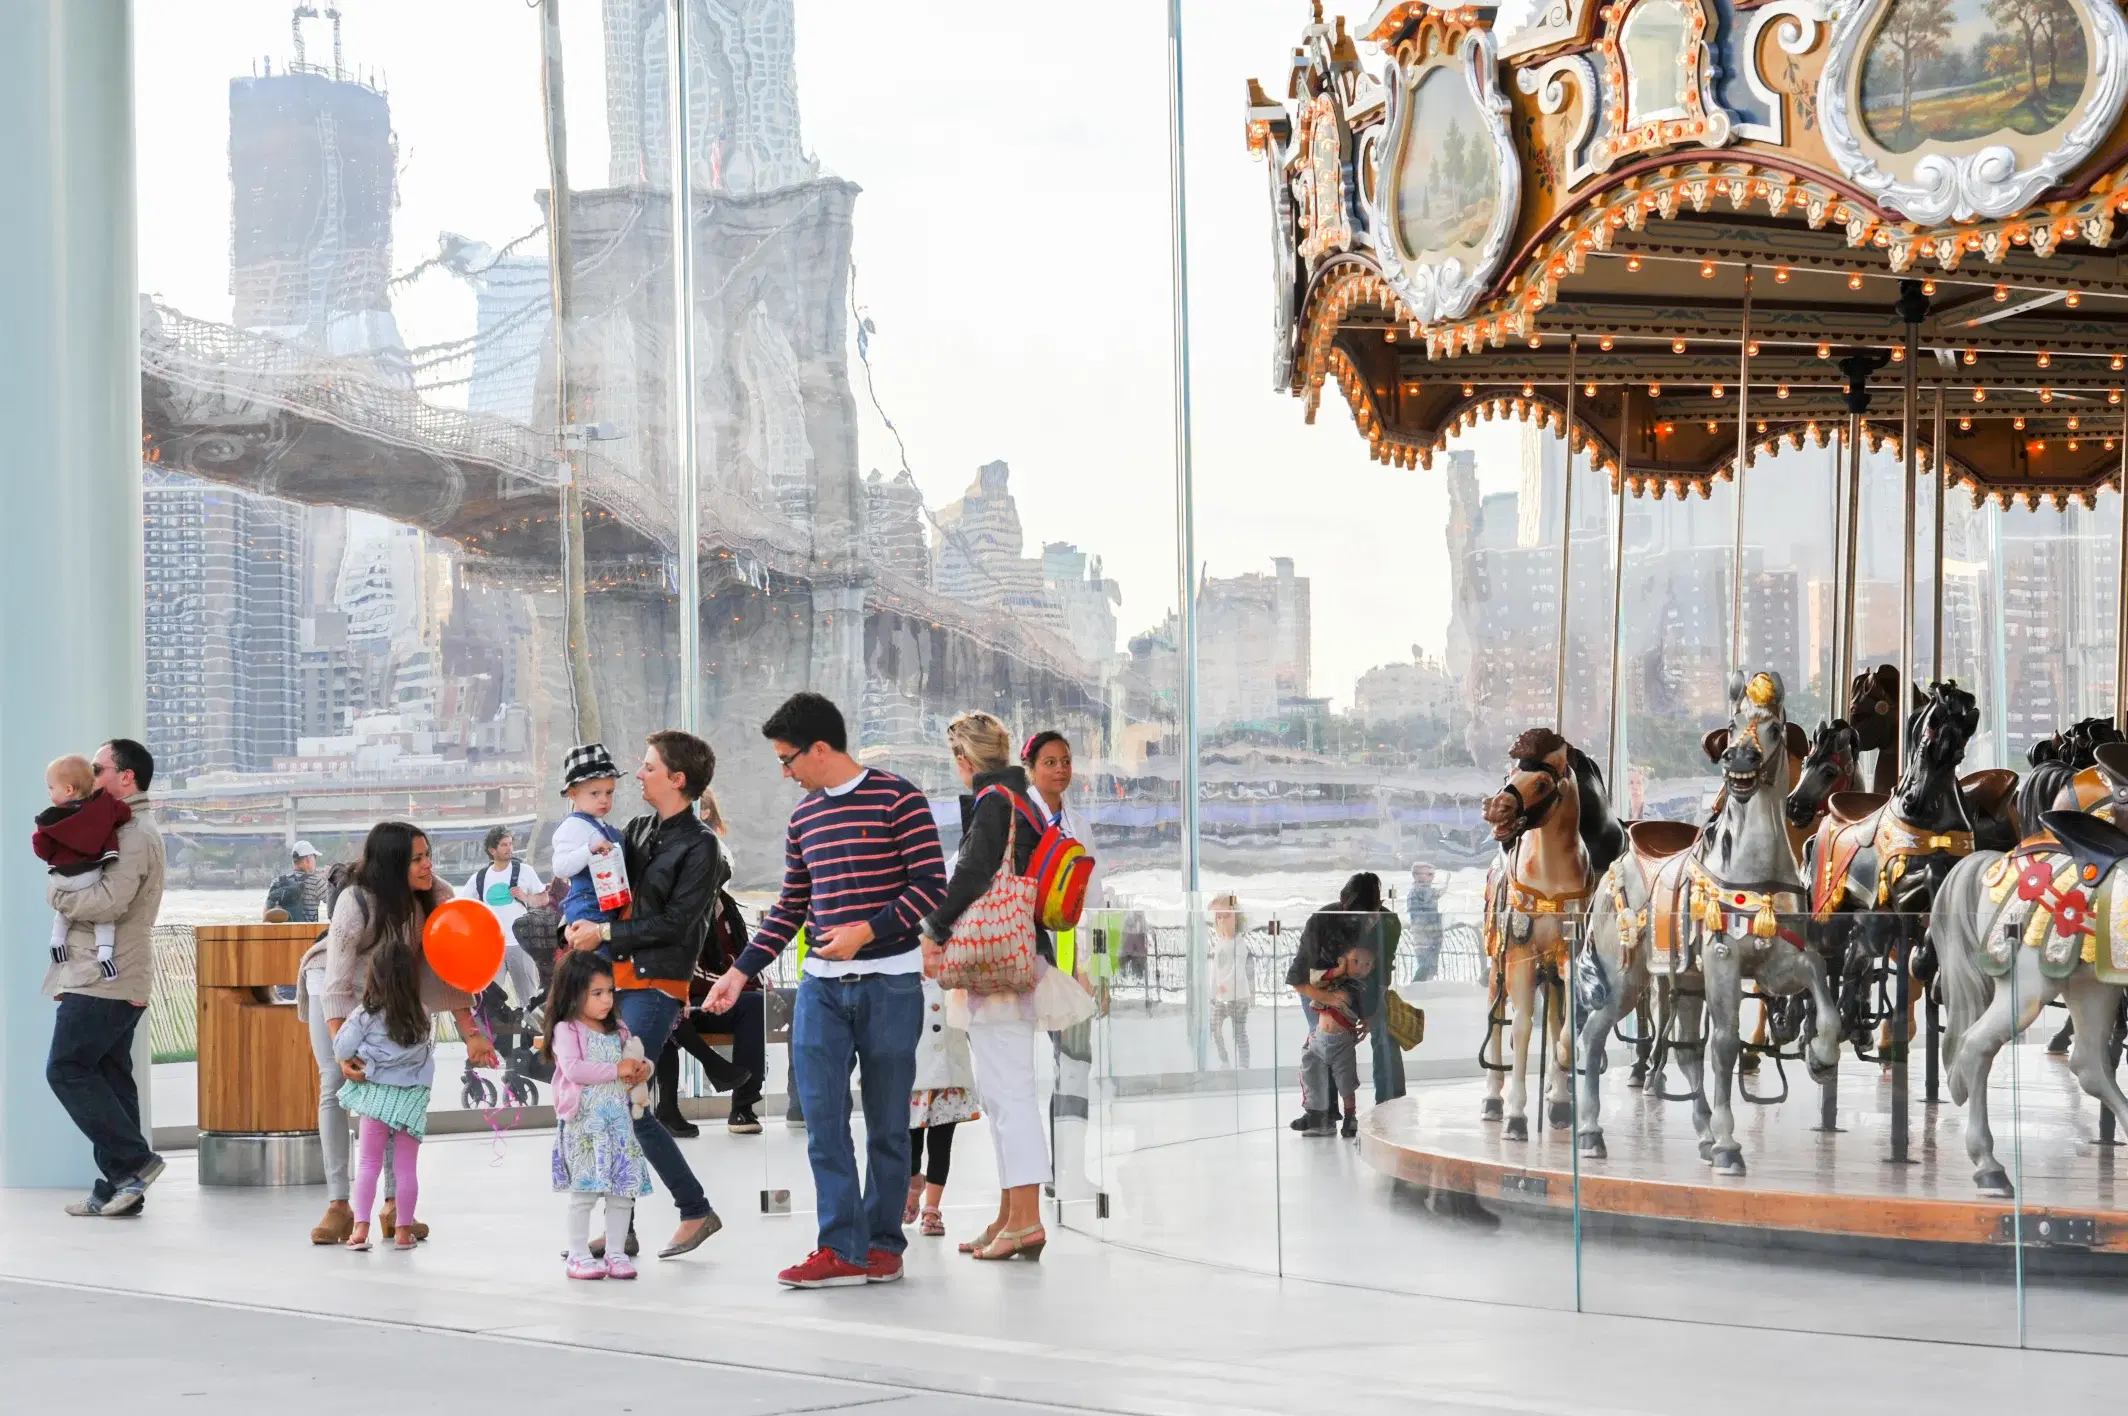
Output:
[[588, 778]]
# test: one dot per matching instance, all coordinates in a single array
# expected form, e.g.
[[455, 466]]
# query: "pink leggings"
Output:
[[406, 1150]]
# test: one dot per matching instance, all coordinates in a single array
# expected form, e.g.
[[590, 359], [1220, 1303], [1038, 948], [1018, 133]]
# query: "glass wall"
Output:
[[410, 538]]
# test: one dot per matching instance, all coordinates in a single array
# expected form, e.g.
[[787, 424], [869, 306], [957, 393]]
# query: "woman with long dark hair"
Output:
[[389, 899]]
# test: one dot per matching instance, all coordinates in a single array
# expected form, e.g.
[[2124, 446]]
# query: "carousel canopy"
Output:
[[1668, 214]]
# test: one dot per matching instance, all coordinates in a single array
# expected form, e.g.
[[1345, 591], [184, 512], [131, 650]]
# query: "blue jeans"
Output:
[[650, 1015], [90, 1070], [875, 1019]]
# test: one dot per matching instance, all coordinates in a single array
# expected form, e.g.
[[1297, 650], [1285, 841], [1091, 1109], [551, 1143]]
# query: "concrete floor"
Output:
[[214, 1296]]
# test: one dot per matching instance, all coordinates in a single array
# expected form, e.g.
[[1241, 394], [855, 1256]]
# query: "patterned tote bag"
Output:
[[992, 949]]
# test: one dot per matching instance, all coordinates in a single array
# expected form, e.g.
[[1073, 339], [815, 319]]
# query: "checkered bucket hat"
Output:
[[587, 763]]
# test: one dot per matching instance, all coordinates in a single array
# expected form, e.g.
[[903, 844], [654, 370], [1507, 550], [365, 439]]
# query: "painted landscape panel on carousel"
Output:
[[1448, 187], [1949, 70]]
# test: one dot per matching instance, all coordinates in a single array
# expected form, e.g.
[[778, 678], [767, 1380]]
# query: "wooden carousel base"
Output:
[[1837, 1187]]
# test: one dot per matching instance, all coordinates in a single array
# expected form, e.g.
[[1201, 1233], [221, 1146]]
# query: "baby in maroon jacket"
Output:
[[77, 838]]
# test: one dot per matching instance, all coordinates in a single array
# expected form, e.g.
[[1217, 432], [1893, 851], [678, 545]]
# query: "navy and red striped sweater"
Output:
[[869, 855]]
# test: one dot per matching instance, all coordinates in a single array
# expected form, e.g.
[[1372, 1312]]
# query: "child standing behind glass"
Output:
[[595, 1149]]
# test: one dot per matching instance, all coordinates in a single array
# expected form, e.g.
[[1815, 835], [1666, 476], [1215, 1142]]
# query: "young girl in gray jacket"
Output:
[[388, 1056]]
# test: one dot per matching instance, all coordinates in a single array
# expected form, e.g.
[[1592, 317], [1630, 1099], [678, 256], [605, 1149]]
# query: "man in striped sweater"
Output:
[[862, 867]]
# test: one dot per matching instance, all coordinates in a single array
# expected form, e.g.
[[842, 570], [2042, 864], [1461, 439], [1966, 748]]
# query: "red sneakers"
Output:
[[824, 1268], [881, 1266]]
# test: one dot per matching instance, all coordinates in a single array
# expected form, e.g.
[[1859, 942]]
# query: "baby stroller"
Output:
[[516, 1030]]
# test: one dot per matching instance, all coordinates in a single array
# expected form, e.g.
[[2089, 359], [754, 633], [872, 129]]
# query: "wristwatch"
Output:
[[605, 932]]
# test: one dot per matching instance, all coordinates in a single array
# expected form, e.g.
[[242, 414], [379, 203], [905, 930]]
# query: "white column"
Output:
[[71, 642]]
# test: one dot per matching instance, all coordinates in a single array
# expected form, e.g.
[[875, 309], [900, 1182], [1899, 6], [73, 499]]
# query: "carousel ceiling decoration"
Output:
[[1453, 241], [1449, 185], [1944, 110]]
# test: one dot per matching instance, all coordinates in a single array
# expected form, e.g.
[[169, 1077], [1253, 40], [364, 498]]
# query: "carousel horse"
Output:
[[1879, 861], [1829, 766], [2063, 776], [1556, 834], [2051, 918], [1989, 800], [1702, 911]]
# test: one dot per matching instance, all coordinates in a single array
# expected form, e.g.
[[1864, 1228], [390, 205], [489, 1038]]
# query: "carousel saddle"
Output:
[[1853, 808], [1659, 840], [1655, 858], [2096, 846], [1988, 791]]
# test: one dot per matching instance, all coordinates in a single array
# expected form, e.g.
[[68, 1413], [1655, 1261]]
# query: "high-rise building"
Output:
[[224, 595], [742, 89], [976, 555], [1253, 645], [513, 305], [313, 175], [1087, 599], [894, 535]]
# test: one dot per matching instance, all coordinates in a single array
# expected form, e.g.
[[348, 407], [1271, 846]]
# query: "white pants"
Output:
[[619, 1208], [520, 974], [106, 934], [1004, 1086]]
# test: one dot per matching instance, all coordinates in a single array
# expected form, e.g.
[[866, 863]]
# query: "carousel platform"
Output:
[[1804, 1187]]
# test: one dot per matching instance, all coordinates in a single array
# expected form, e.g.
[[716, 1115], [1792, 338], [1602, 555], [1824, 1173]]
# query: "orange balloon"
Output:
[[463, 944]]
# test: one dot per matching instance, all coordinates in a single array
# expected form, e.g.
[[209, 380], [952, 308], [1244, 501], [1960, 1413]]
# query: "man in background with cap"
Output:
[[506, 886], [298, 892]]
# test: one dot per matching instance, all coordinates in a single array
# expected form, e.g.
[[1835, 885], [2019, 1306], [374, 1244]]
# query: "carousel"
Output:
[[1683, 234]]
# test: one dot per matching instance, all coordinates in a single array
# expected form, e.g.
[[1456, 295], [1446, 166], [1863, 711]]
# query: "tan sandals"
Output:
[[1025, 1244], [981, 1241], [338, 1224]]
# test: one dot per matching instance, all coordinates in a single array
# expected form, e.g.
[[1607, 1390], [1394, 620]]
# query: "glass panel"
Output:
[[350, 544], [1868, 1227]]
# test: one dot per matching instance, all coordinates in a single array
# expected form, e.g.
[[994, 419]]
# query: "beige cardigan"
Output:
[[343, 955], [129, 896]]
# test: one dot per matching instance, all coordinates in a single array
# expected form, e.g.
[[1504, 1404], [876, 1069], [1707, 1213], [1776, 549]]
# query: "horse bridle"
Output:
[[1530, 815]]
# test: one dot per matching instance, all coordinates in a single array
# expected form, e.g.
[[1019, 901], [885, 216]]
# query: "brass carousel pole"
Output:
[[1847, 587], [1566, 537], [1833, 680], [1743, 455], [2120, 594], [1937, 659], [1913, 308], [1932, 1073], [1618, 578]]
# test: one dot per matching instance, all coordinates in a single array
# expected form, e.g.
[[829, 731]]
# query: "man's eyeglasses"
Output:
[[102, 769], [786, 759]]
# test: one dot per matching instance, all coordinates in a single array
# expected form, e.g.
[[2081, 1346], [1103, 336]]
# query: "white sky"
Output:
[[1012, 246]]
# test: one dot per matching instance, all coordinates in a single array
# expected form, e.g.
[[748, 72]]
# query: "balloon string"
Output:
[[499, 1128]]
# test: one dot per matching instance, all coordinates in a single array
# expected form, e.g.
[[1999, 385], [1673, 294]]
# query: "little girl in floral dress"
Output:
[[595, 1149]]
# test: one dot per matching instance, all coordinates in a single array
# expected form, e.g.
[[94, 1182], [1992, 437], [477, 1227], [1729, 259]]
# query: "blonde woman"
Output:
[[1002, 1028]]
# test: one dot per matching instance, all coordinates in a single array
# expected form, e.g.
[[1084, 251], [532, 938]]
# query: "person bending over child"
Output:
[[1330, 1057], [76, 837]]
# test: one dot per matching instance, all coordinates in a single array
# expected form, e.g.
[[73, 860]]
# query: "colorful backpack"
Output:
[[1060, 868]]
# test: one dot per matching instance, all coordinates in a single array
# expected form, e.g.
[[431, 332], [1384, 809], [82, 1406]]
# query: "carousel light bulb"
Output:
[[1980, 395], [1780, 390], [2018, 423], [1632, 262], [1468, 390], [2045, 358], [1898, 353], [2039, 444], [1589, 390], [1528, 391], [1752, 349], [1389, 336], [1655, 390], [1780, 275], [1824, 351], [2072, 444], [1604, 343], [2073, 423], [1677, 346], [1706, 270], [1965, 425], [1854, 282], [1762, 425], [1710, 425], [1715, 390], [2072, 299], [1928, 287], [2002, 293], [2046, 395], [1536, 341]]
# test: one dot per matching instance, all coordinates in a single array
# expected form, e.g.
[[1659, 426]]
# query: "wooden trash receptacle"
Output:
[[258, 1081]]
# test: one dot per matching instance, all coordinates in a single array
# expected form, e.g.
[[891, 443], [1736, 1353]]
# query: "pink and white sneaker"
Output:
[[592, 1268], [619, 1268]]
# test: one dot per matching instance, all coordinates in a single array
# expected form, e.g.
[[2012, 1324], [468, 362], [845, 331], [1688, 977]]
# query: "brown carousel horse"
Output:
[[1557, 836]]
